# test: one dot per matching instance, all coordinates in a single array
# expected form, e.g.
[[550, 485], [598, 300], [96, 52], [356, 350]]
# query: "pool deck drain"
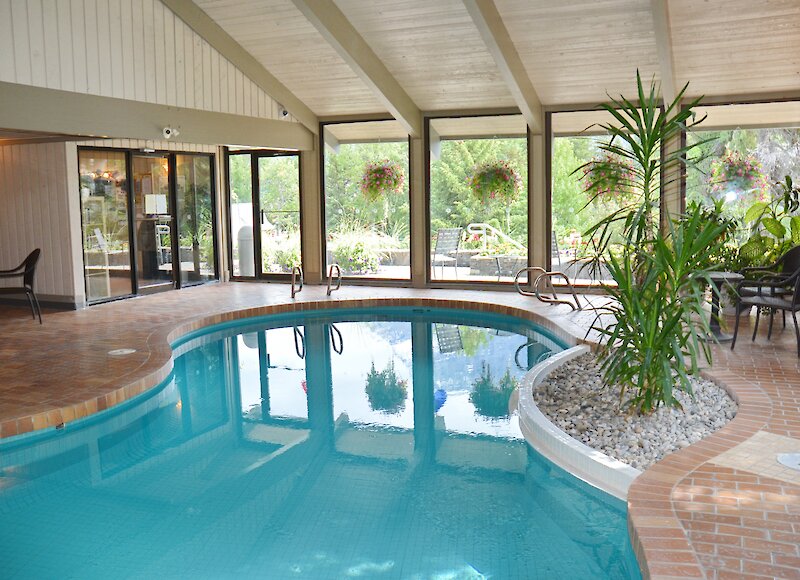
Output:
[[701, 512]]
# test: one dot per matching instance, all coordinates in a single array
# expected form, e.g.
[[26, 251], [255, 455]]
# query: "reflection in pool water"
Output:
[[264, 456]]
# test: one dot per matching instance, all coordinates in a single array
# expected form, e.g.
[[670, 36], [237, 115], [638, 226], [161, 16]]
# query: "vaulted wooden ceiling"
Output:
[[573, 51]]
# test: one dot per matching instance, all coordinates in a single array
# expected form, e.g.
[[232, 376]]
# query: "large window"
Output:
[[366, 199], [478, 198], [576, 140], [740, 161]]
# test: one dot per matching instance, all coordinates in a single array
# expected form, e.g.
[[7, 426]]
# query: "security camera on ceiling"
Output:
[[169, 132]]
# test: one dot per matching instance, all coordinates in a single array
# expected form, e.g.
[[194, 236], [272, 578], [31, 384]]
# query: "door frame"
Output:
[[255, 155], [171, 156]]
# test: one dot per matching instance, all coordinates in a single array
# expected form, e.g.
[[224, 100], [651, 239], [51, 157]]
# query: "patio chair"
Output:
[[448, 338], [781, 269], [770, 294], [26, 271], [448, 240]]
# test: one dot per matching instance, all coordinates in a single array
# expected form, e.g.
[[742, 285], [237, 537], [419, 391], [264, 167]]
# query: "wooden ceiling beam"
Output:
[[666, 59], [335, 28], [495, 35], [224, 43]]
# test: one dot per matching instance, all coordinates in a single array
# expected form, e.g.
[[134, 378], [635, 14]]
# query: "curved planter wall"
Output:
[[609, 474]]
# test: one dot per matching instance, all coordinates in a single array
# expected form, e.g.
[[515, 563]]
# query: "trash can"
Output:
[[247, 262]]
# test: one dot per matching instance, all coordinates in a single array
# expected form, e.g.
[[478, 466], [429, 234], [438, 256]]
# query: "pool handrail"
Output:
[[545, 275], [338, 278], [297, 271]]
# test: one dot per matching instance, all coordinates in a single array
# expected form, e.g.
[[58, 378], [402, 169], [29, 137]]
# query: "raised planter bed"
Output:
[[508, 265]]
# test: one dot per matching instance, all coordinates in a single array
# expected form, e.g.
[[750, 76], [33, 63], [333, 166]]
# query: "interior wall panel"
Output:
[[131, 49], [33, 194]]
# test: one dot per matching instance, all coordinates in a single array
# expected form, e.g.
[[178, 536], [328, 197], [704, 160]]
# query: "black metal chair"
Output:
[[780, 270], [26, 271], [771, 294]]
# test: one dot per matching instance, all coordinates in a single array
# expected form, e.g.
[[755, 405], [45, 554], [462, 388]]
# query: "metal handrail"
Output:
[[338, 332], [338, 278], [555, 299], [485, 230], [299, 347], [297, 271], [525, 271], [544, 275]]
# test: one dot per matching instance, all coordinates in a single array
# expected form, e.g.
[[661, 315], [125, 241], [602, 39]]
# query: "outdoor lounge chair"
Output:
[[26, 271], [448, 240]]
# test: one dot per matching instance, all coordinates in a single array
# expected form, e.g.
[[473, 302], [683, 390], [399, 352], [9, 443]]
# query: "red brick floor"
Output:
[[704, 512]]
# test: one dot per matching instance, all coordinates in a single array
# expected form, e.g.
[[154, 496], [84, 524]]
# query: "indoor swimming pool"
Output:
[[327, 444]]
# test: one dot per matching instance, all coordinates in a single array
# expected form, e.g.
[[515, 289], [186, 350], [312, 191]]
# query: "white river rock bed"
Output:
[[574, 399]]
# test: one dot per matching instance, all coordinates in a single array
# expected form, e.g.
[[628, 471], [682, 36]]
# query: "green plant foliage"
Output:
[[386, 392], [381, 178], [496, 180], [658, 314], [773, 226], [355, 256], [282, 255], [452, 203], [347, 207], [659, 320], [490, 399]]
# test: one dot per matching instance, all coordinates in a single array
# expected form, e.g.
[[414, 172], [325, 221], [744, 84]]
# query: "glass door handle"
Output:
[[263, 216]]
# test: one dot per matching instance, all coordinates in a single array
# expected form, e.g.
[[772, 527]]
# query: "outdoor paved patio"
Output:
[[722, 508]]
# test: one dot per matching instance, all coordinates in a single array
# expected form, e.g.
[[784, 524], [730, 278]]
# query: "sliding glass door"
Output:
[[148, 221], [153, 223]]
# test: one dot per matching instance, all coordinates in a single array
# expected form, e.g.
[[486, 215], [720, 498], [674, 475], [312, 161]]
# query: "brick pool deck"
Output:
[[721, 508]]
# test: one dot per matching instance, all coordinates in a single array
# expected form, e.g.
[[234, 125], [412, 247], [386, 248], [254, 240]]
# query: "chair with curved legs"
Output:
[[779, 271], [781, 294], [26, 271]]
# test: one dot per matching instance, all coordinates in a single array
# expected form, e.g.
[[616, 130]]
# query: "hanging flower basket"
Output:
[[381, 178], [737, 172], [497, 180], [608, 176]]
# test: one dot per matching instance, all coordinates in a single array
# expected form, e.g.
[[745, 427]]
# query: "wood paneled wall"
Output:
[[37, 212], [129, 49]]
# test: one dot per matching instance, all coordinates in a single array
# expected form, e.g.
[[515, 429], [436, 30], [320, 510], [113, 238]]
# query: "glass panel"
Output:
[[195, 226], [153, 214], [241, 209], [106, 236], [367, 224], [279, 196], [576, 141], [739, 168], [479, 198]]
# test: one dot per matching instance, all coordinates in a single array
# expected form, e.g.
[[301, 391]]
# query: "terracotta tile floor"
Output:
[[708, 511]]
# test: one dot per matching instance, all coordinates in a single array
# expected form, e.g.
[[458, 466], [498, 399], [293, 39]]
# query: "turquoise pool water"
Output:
[[334, 444]]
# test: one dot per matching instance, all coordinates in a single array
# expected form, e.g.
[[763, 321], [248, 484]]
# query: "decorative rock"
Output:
[[574, 398]]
